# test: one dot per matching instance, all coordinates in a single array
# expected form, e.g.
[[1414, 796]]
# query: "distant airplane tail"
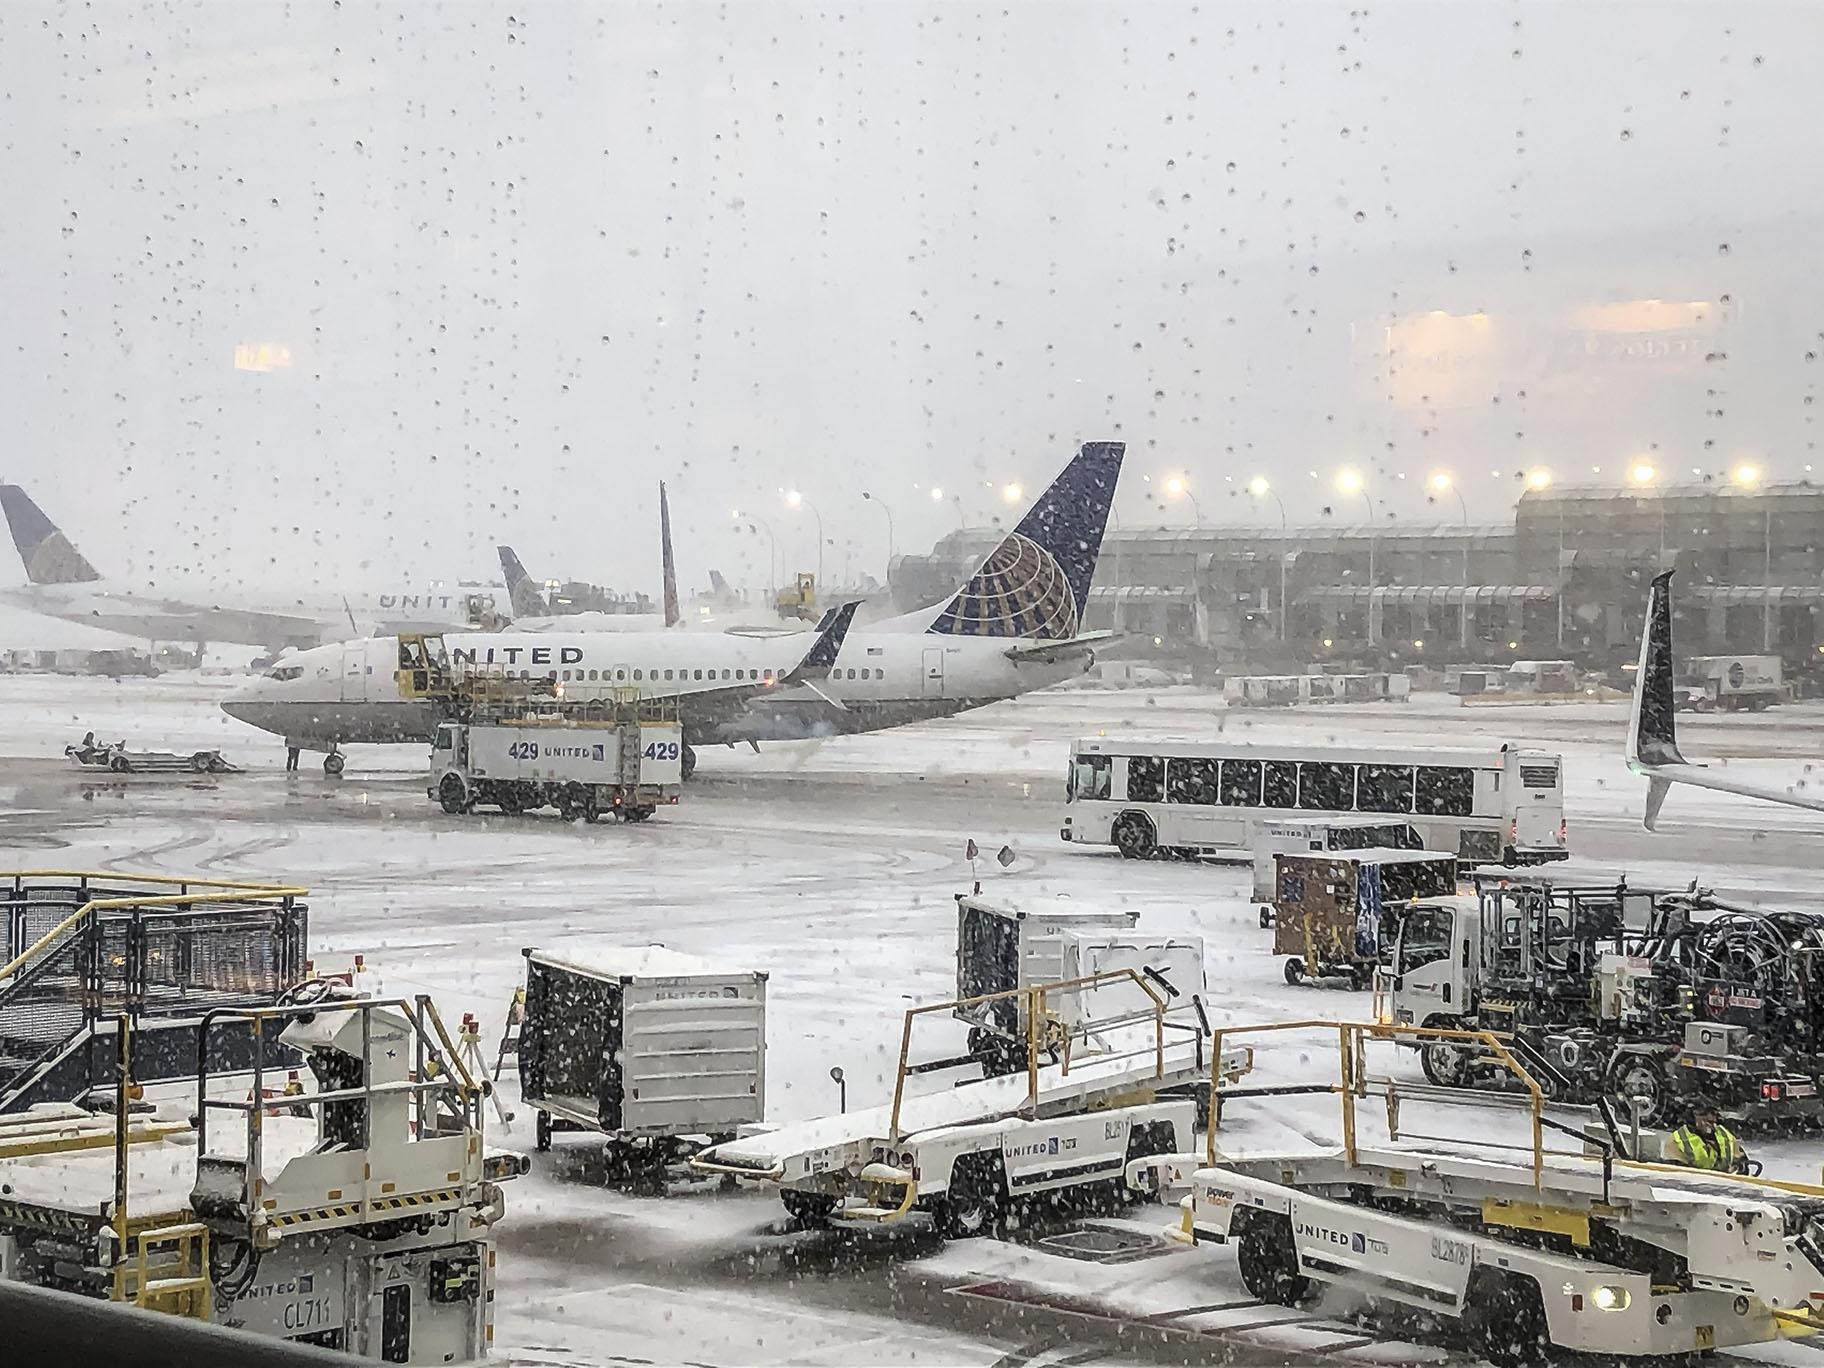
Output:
[[522, 593], [1652, 728], [1036, 582], [667, 563], [48, 556]]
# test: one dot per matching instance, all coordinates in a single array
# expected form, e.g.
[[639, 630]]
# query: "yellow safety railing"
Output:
[[1038, 1017], [1353, 1083], [221, 892]]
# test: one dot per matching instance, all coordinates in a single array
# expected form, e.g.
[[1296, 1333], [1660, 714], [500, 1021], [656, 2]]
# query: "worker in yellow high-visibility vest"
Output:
[[1708, 1144]]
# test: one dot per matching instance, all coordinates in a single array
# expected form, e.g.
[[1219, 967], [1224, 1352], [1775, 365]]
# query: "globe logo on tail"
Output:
[[1021, 591]]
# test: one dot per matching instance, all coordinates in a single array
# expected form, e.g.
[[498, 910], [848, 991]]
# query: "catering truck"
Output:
[[619, 763]]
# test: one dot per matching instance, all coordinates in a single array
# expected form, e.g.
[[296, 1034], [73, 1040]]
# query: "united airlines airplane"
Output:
[[61, 583], [1016, 626], [1652, 748]]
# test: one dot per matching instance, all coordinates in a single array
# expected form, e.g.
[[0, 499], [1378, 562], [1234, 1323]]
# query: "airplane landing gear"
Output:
[[687, 762]]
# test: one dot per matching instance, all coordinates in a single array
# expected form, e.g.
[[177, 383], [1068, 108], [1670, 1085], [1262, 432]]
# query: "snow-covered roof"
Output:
[[641, 962]]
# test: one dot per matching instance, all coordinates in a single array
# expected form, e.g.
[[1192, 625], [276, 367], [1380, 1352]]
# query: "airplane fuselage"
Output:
[[348, 693]]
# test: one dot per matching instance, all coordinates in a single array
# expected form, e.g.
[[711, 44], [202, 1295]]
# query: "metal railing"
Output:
[[1046, 1032], [1354, 1083]]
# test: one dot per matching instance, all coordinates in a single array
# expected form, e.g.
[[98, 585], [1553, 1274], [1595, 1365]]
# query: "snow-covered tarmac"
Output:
[[831, 865]]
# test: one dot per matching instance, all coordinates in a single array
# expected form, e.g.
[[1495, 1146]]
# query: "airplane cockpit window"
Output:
[[285, 672]]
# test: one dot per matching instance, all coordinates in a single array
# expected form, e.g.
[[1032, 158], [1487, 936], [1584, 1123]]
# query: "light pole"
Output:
[[882, 506], [1178, 487], [1441, 482], [1351, 482], [1260, 488], [772, 552], [797, 500], [1749, 477]]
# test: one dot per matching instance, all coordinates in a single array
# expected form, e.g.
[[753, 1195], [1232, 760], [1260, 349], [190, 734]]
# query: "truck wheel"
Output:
[[452, 795], [1446, 1065], [976, 1203], [119, 764], [572, 802], [1134, 838], [333, 763], [1268, 1260], [1637, 1075], [636, 814], [199, 763], [807, 1208], [1504, 1318], [1295, 971]]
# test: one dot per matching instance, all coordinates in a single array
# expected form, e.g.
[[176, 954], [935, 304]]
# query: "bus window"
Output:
[[1281, 784], [1091, 777], [1446, 791], [1324, 787], [1190, 781], [1241, 783], [1145, 779], [1384, 788]]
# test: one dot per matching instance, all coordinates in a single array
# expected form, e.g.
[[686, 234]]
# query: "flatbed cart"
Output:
[[969, 1156], [1531, 1247], [116, 758]]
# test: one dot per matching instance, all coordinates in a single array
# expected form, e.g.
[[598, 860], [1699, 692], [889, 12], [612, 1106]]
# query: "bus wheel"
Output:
[[1133, 836], [1295, 971]]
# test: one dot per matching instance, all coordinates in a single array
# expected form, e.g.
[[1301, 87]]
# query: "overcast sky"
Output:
[[347, 294]]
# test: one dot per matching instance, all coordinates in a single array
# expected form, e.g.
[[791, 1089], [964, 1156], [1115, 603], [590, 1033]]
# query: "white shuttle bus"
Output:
[[1495, 806]]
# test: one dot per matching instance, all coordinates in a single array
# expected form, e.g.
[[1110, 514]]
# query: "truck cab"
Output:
[[1435, 960]]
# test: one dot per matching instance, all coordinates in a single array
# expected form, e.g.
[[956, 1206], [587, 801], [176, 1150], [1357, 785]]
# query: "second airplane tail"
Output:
[[47, 554], [522, 593], [1652, 726]]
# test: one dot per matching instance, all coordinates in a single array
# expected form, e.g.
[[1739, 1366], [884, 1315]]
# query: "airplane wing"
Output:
[[710, 706], [1042, 652], [1652, 746]]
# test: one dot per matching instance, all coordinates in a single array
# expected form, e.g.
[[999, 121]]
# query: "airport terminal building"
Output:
[[1566, 580]]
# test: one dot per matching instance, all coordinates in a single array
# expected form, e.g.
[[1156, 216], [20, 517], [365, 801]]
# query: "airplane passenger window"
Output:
[[668, 674], [698, 674], [637, 674]]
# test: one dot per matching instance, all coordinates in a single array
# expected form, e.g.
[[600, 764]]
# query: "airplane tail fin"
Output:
[[1036, 582], [831, 632], [522, 593], [48, 556], [1652, 729], [670, 566], [717, 585]]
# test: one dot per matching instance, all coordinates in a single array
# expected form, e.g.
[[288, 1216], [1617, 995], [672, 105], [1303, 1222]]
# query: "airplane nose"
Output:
[[237, 708]]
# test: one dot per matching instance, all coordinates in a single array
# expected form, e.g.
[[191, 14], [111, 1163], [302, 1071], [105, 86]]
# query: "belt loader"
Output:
[[356, 1216], [1530, 1249], [1093, 1094]]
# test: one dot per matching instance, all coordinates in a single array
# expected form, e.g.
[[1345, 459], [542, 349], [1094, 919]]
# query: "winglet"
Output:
[[821, 657], [1652, 731], [1036, 583], [47, 554], [522, 593], [667, 564]]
